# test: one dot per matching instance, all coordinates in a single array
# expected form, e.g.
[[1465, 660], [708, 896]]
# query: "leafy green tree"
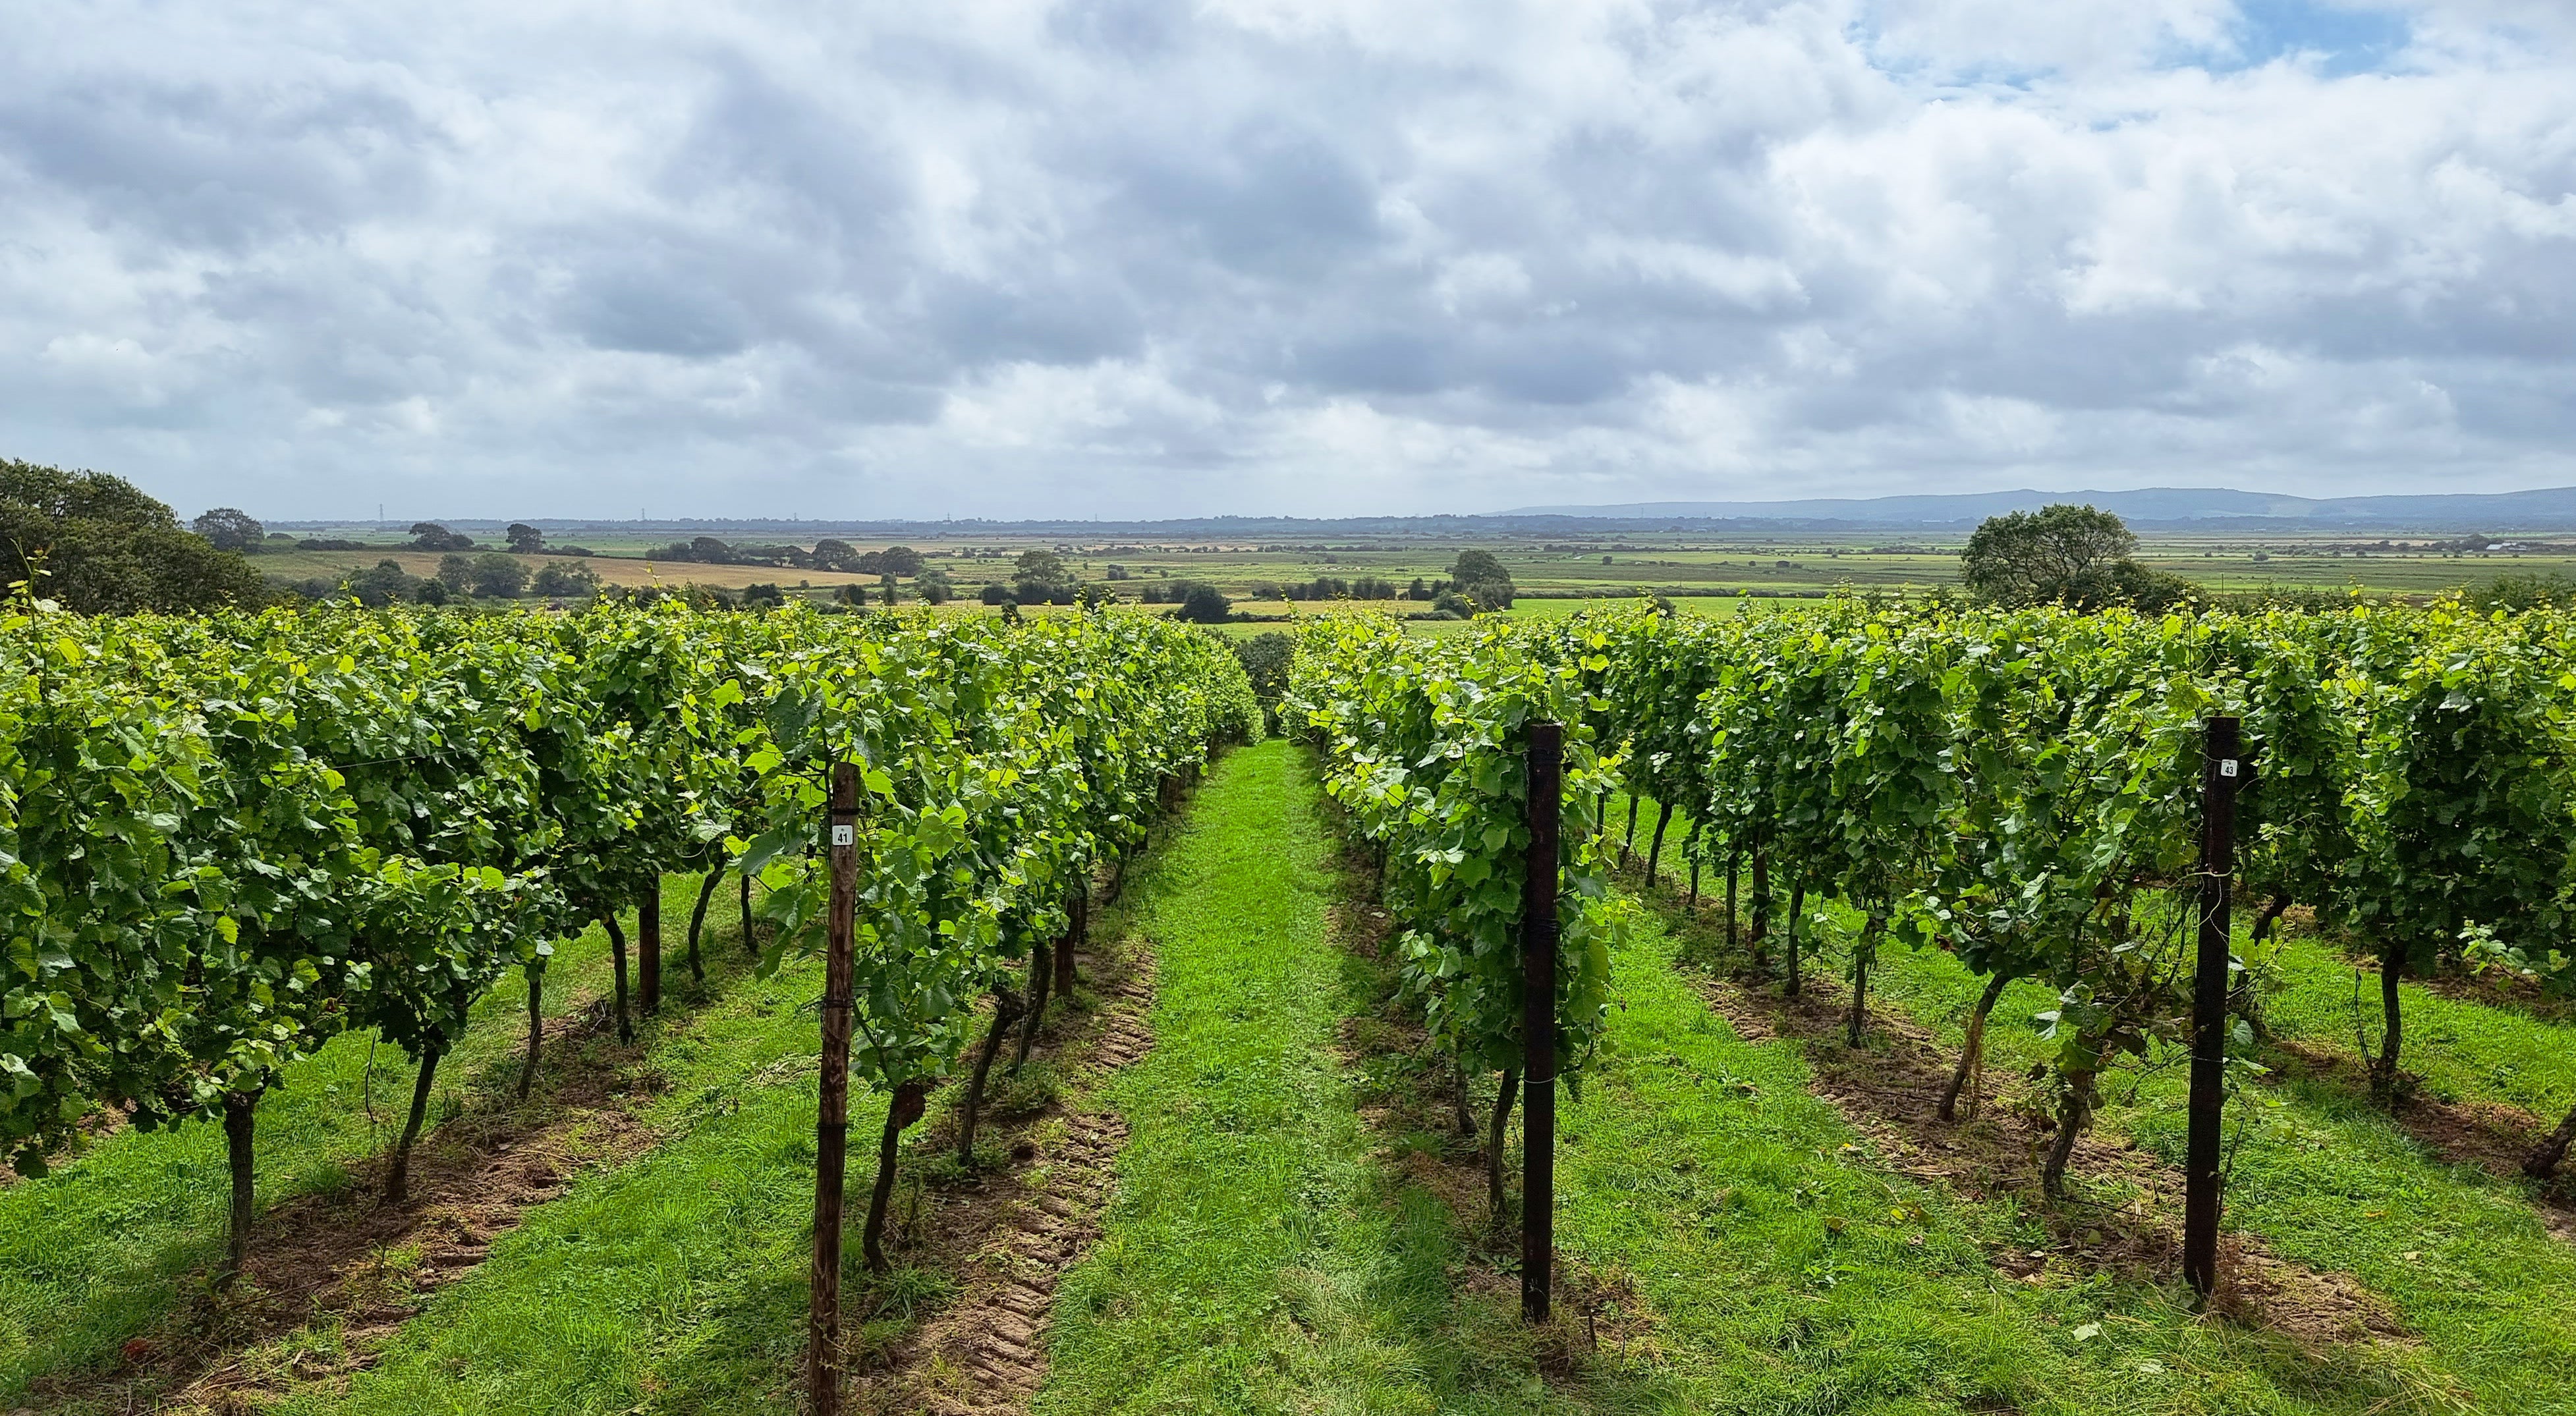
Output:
[[230, 529], [560, 581], [2076, 556], [387, 584], [525, 539], [1206, 605], [94, 544], [499, 575], [456, 572], [830, 554], [430, 536], [1481, 578], [997, 593], [899, 560], [935, 586], [1041, 577]]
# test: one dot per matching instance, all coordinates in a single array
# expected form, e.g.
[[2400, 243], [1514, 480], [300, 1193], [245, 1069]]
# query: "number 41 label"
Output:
[[845, 835]]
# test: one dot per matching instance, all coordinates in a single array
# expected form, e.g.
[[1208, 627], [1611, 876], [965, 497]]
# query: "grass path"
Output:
[[1265, 1252]]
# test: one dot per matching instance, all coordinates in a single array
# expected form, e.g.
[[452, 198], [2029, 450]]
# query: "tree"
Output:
[[500, 575], [385, 585], [837, 555], [1481, 578], [1206, 605], [934, 586], [525, 539], [457, 572], [899, 560], [1042, 578], [430, 536], [2076, 556], [2540, 590], [94, 544], [997, 593], [561, 581], [230, 529]]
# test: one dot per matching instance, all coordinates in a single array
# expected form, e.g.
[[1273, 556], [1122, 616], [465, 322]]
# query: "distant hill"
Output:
[[2552, 508], [2153, 508]]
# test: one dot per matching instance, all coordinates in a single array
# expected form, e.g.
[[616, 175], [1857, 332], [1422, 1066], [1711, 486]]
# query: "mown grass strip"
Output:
[[674, 1283], [1789, 1271], [1264, 1254], [99, 1253]]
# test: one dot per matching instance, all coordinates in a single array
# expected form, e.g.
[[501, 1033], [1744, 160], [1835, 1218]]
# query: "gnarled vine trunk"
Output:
[[1972, 1052], [1041, 976], [902, 1110], [398, 1174], [2383, 1068], [617, 951], [2074, 1113], [1864, 951], [1006, 1011], [1495, 1139], [1655, 853], [2552, 1150], [241, 1110], [698, 924]]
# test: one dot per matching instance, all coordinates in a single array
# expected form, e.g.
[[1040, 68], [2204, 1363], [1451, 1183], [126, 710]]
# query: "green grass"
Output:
[[2331, 1183], [1794, 1272], [2323, 1178], [1259, 1257], [2460, 1050], [104, 1249], [674, 1283]]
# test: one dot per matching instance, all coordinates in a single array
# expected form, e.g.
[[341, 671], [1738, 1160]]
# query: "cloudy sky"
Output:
[[1154, 257]]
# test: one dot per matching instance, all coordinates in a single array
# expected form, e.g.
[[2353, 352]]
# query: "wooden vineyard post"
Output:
[[1538, 1020], [832, 1127], [2221, 775]]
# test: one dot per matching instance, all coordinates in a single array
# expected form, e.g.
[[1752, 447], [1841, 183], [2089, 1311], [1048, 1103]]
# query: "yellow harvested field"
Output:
[[612, 570]]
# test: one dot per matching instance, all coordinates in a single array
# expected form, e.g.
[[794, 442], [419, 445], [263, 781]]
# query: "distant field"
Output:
[[1701, 574]]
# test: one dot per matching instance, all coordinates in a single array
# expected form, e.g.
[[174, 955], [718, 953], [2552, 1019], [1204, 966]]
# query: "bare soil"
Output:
[[1004, 1237]]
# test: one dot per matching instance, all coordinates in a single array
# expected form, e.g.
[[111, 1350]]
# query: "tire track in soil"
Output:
[[1007, 1236], [346, 1257], [1889, 1091]]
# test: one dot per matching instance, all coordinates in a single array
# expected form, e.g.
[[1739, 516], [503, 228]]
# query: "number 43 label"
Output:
[[2226, 768]]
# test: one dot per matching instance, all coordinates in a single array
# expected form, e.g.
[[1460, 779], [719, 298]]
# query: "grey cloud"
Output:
[[1364, 258]]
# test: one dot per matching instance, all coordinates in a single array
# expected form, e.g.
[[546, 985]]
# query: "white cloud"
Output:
[[1152, 257]]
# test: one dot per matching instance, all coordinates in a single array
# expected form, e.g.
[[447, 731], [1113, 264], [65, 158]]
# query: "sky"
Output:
[[1142, 258]]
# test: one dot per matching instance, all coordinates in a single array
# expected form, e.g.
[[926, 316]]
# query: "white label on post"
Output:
[[845, 835], [2226, 767]]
